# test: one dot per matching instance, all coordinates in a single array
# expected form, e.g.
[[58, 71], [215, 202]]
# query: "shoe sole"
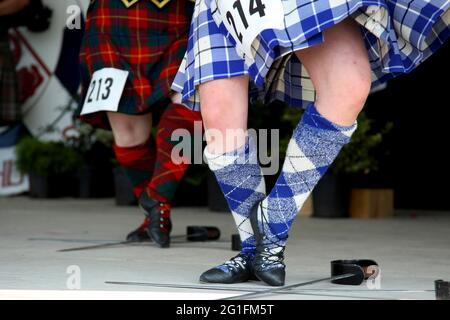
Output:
[[234, 282], [270, 284], [158, 244], [163, 246]]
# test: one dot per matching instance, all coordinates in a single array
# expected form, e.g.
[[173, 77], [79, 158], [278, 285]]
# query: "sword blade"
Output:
[[69, 240], [305, 292], [124, 243], [181, 286], [292, 286], [98, 246]]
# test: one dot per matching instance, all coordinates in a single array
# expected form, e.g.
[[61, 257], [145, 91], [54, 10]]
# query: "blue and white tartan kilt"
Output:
[[399, 35]]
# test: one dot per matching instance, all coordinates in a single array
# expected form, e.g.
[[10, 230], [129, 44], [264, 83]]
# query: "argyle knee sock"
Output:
[[138, 163], [167, 174], [315, 144], [242, 182]]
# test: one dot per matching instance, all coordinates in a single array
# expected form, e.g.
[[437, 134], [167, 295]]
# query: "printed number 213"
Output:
[[100, 90], [256, 6]]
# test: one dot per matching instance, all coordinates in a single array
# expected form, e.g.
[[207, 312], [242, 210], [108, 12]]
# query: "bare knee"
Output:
[[125, 135], [350, 73], [214, 114], [340, 71], [224, 106], [342, 96], [130, 131], [224, 103], [354, 88]]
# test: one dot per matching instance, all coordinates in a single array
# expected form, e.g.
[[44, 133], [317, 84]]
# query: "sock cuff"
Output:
[[314, 119], [139, 152], [149, 143], [245, 154]]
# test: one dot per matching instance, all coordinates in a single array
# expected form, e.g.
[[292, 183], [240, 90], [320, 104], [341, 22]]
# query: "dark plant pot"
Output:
[[52, 186], [371, 181], [123, 189], [332, 197], [95, 182], [216, 199]]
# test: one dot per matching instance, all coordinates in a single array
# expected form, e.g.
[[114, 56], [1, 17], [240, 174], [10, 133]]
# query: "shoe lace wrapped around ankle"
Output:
[[237, 262], [271, 251], [164, 216], [272, 257]]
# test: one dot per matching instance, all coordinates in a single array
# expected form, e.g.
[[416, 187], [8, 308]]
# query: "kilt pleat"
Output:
[[399, 35]]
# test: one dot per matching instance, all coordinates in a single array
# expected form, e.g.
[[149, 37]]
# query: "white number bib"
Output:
[[246, 19], [105, 90]]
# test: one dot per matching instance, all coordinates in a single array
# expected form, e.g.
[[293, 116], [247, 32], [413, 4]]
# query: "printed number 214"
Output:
[[256, 6]]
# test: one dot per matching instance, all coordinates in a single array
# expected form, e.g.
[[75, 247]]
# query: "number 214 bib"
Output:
[[246, 19]]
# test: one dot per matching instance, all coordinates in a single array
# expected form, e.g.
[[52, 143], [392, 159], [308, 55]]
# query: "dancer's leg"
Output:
[[133, 147], [232, 156], [340, 72], [167, 174], [224, 107], [136, 153]]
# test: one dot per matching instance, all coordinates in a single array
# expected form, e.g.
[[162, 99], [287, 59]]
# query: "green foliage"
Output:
[[89, 136], [196, 175], [277, 116], [289, 119], [358, 156], [46, 158]]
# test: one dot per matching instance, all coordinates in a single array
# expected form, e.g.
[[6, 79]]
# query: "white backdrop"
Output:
[[38, 55]]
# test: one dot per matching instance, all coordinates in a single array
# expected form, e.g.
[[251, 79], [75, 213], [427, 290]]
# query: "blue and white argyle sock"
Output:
[[314, 145], [242, 182]]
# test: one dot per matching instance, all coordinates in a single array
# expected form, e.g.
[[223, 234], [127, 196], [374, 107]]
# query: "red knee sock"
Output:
[[167, 175], [138, 164]]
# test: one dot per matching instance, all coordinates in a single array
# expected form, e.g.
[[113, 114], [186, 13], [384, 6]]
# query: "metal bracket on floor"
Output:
[[442, 289], [362, 269]]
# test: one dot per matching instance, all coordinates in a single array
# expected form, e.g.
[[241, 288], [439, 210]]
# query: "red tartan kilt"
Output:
[[148, 42]]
